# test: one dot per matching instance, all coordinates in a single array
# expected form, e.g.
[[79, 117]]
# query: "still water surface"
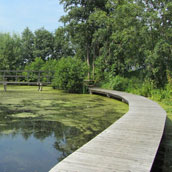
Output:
[[39, 129], [35, 150]]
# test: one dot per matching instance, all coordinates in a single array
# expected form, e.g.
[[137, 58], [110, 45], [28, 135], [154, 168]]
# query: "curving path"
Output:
[[128, 145]]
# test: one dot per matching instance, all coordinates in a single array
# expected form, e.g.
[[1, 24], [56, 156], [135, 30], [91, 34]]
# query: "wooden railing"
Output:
[[23, 77]]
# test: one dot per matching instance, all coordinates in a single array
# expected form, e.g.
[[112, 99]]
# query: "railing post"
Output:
[[39, 77], [40, 86], [16, 77], [4, 76], [5, 86]]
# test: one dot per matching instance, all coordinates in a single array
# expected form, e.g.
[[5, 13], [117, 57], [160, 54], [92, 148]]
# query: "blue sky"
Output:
[[16, 15]]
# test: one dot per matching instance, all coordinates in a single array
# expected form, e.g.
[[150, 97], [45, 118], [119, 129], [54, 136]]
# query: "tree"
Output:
[[32, 69], [69, 76], [158, 41], [10, 52], [27, 46], [80, 30], [62, 45], [117, 39], [43, 44]]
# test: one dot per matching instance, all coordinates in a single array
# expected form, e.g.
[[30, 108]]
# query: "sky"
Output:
[[16, 15]]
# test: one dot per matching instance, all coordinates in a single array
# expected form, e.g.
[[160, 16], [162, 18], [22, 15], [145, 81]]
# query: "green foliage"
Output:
[[116, 38], [43, 44], [113, 37], [159, 62], [49, 67], [27, 46], [36, 65], [10, 51], [100, 69], [146, 89], [62, 44], [69, 76], [33, 68], [119, 83]]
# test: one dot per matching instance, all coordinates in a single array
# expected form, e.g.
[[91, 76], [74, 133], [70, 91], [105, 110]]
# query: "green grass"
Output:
[[89, 114]]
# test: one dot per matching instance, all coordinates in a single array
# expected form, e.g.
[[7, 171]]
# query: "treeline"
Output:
[[17, 51], [123, 38], [120, 37]]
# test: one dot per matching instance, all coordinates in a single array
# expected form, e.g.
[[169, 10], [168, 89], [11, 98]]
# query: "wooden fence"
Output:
[[23, 77]]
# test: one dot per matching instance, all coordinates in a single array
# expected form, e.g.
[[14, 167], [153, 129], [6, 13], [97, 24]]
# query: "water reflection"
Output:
[[38, 129], [34, 146]]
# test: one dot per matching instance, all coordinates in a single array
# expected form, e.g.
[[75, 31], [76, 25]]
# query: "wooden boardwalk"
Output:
[[128, 145]]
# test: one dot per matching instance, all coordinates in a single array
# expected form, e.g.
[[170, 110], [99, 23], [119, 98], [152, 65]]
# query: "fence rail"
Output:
[[21, 77]]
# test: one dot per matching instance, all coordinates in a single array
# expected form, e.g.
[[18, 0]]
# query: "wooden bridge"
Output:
[[23, 77], [128, 145]]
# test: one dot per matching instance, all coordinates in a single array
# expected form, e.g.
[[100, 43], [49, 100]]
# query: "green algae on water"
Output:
[[23, 109]]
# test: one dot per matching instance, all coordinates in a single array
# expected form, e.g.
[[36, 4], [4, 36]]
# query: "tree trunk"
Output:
[[88, 62], [93, 66]]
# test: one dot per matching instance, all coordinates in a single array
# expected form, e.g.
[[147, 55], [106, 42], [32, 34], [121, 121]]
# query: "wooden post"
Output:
[[39, 77], [48, 77], [4, 76], [4, 82], [108, 95], [40, 86], [16, 77], [28, 75], [5, 86]]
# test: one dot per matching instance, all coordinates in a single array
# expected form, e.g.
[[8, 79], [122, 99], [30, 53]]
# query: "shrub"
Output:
[[147, 88], [36, 65], [119, 83], [69, 75], [49, 68]]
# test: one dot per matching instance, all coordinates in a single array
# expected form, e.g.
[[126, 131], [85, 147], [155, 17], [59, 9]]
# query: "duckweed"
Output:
[[70, 119]]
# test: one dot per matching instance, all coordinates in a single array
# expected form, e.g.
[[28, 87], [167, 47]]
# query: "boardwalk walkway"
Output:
[[128, 145]]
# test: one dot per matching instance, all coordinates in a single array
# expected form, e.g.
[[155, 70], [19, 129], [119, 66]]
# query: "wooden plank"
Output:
[[31, 83], [13, 76], [128, 145], [30, 71]]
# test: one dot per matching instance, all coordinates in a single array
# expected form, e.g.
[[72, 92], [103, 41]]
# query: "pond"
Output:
[[39, 129]]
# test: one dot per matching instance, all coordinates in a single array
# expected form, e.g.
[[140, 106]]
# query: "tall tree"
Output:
[[79, 28], [43, 44], [62, 44], [158, 40], [27, 46], [10, 51]]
